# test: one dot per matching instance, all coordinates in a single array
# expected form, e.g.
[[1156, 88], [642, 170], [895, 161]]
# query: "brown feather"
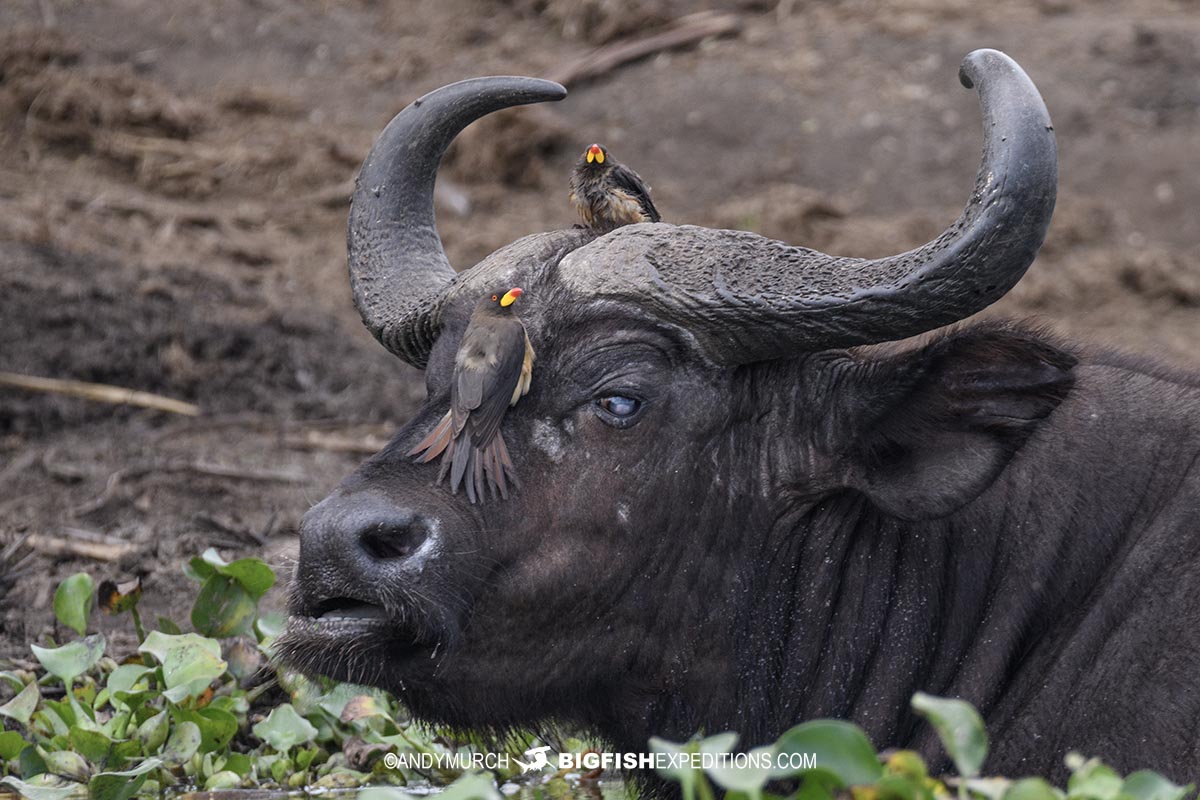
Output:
[[437, 441]]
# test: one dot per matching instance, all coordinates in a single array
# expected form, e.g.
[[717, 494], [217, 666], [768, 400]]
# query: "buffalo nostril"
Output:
[[385, 540]]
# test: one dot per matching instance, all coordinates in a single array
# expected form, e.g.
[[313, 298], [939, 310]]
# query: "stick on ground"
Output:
[[680, 33], [100, 392]]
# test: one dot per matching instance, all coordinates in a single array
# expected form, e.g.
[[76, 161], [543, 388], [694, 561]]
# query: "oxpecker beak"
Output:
[[510, 297], [594, 153]]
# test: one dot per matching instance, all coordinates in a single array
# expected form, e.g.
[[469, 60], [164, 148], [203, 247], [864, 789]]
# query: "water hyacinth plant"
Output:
[[208, 709]]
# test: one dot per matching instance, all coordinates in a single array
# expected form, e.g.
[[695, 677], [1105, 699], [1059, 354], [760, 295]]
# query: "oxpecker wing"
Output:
[[626, 180], [492, 370]]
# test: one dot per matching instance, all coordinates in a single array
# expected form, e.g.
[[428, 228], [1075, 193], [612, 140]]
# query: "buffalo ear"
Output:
[[933, 427]]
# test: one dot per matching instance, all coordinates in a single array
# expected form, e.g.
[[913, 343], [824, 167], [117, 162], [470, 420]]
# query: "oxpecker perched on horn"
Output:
[[607, 194]]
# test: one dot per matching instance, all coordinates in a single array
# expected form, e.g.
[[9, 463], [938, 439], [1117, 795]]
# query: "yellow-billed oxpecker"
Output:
[[491, 372], [609, 194]]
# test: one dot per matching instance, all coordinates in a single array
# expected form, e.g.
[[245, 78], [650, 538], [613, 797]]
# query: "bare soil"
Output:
[[174, 178]]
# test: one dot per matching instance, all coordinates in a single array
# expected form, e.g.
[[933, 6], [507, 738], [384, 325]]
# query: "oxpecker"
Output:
[[609, 194], [491, 372]]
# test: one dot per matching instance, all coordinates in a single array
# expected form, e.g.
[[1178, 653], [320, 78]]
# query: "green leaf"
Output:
[[121, 785], [73, 601], [818, 785], [1032, 789], [239, 763], [988, 788], [67, 764], [217, 727], [894, 787], [283, 728], [840, 749], [31, 762], [200, 568], [226, 779], [11, 745], [189, 662], [223, 608], [360, 706], [123, 753], [305, 757], [22, 706], [750, 777], [133, 701], [168, 626], [71, 660], [281, 769], [125, 677], [92, 745], [1147, 785], [252, 574], [152, 733], [718, 744], [472, 786], [270, 624], [12, 679], [185, 740], [960, 728], [55, 716], [683, 774], [33, 792], [1094, 780], [908, 765]]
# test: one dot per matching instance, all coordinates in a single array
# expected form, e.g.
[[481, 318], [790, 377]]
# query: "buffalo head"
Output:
[[696, 430]]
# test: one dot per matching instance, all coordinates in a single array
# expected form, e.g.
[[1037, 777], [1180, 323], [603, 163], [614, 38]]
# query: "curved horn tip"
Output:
[[529, 90], [977, 62]]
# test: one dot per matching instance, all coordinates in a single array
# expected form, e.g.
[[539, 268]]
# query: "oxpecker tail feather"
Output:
[[437, 441], [506, 461], [475, 485], [461, 462], [495, 469], [476, 469]]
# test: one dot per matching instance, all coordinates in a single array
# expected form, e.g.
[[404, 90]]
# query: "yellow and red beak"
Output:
[[596, 154], [510, 297]]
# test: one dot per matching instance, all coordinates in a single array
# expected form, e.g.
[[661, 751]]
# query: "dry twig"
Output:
[[99, 392], [96, 547], [315, 440], [240, 534], [125, 474], [680, 33]]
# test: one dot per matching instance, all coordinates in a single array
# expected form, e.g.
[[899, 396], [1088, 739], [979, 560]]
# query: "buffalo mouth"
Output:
[[336, 636], [351, 619], [339, 616]]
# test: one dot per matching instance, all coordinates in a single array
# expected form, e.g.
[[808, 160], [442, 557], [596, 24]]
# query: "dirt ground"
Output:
[[174, 177]]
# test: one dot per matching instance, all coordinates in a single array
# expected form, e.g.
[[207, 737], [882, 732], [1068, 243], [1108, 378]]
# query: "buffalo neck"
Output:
[[833, 609]]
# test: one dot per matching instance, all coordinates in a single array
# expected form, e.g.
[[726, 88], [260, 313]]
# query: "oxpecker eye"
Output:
[[618, 410]]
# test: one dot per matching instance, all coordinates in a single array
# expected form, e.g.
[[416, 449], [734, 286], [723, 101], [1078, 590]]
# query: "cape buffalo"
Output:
[[741, 510]]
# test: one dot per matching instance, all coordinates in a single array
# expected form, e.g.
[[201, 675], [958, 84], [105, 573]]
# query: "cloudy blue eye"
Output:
[[619, 409]]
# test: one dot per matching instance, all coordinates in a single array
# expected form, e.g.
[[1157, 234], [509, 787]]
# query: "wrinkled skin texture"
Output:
[[990, 514]]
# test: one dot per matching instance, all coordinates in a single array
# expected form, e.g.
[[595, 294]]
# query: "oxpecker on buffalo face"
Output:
[[492, 370]]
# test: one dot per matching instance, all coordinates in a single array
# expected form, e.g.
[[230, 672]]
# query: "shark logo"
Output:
[[537, 759]]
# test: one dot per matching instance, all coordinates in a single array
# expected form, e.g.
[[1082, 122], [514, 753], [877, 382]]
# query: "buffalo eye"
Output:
[[618, 410]]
